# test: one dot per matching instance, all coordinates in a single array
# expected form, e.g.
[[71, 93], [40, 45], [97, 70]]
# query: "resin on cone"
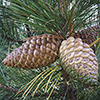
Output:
[[37, 52], [79, 60], [88, 35]]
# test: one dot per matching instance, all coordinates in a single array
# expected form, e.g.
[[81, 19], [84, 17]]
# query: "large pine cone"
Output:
[[37, 52], [79, 61]]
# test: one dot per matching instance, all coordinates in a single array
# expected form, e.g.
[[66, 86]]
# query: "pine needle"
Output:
[[62, 8], [60, 83], [97, 48], [46, 71], [94, 42], [43, 80], [48, 82], [28, 84], [33, 80], [29, 87], [54, 86], [53, 82]]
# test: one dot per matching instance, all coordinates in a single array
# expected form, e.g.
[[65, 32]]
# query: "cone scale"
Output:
[[79, 60], [37, 52], [88, 35]]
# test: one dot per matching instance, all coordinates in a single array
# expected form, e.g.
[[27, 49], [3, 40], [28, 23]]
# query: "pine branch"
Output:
[[19, 41], [3, 53], [9, 88], [44, 95]]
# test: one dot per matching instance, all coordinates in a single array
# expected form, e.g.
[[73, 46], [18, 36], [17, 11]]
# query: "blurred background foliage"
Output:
[[20, 19]]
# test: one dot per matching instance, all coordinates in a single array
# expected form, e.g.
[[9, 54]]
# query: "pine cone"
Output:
[[37, 52], [79, 60], [88, 35]]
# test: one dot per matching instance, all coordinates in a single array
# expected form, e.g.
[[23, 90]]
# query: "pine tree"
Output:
[[57, 20]]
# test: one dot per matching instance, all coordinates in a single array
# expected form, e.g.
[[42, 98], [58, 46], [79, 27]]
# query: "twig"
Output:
[[3, 53], [19, 41], [9, 88], [44, 95]]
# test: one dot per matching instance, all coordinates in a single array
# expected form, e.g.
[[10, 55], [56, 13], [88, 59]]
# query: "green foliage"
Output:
[[25, 18], [44, 16], [8, 28]]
